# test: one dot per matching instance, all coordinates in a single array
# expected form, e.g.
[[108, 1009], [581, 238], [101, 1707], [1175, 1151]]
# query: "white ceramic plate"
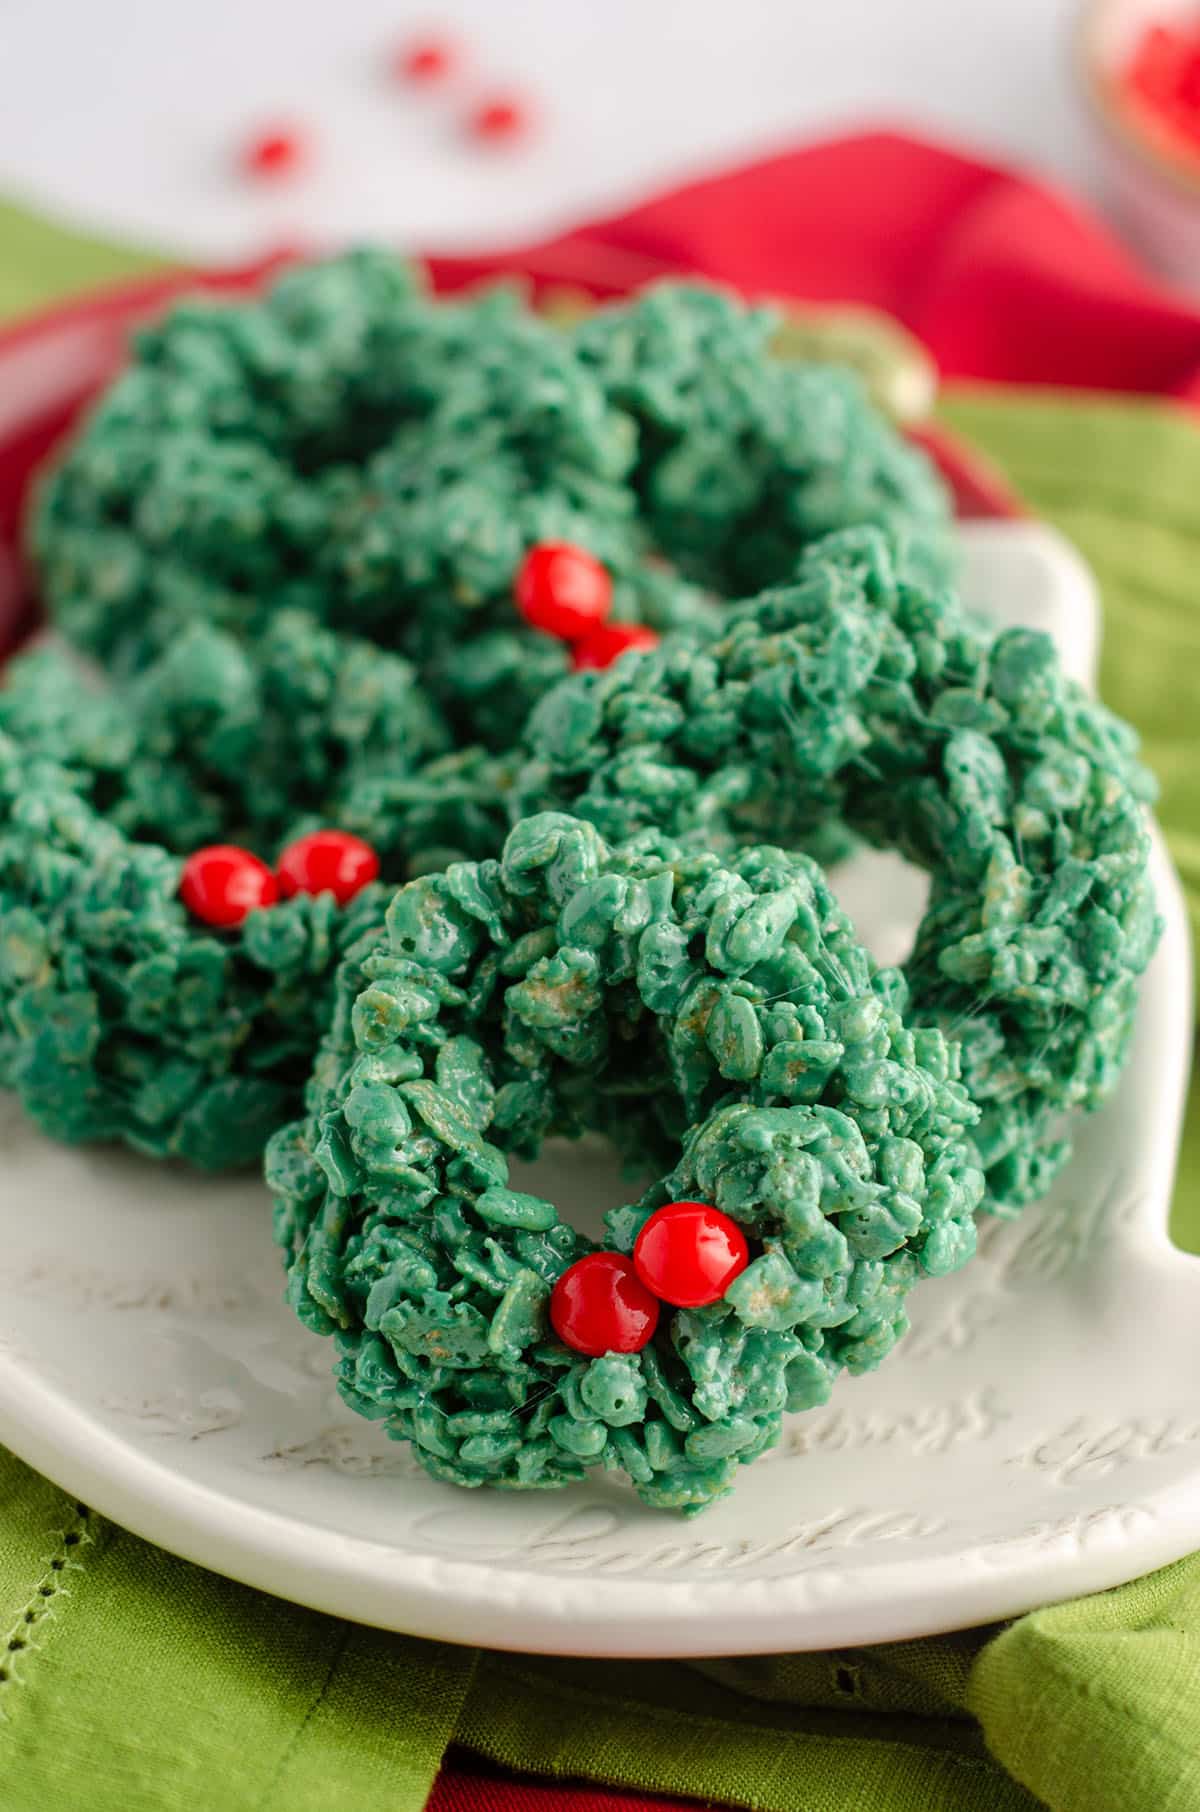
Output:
[[1037, 1434]]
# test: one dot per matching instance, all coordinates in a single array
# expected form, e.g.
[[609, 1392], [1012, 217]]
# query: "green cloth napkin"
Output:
[[41, 262], [134, 1682]]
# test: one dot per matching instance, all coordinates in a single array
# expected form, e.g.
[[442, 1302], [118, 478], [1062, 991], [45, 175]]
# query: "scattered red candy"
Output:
[[688, 1254], [598, 1306], [499, 119], [562, 589], [221, 884], [1160, 85], [425, 60], [279, 152], [606, 644], [1159, 61], [327, 861]]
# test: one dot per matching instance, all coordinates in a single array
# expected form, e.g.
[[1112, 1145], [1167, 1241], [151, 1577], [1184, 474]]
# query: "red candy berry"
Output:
[[222, 884], [498, 120], [327, 861], [562, 589], [598, 1306], [278, 152], [688, 1254], [605, 645], [425, 60], [1161, 84]]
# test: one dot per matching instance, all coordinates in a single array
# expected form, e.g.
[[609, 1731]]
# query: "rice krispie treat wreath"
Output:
[[381, 463], [155, 988], [858, 697], [715, 1016], [124, 1017]]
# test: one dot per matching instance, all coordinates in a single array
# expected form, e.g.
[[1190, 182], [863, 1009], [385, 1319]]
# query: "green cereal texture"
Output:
[[112, 788], [124, 1020], [348, 450], [715, 1016], [858, 697], [206, 745]]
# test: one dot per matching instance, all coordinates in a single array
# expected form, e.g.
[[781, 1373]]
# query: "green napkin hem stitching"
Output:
[[39, 1609], [335, 1661]]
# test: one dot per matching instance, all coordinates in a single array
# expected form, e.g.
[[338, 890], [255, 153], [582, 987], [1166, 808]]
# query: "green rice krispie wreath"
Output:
[[290, 535], [348, 448], [715, 1017], [123, 1017], [125, 1020], [827, 1129], [857, 696]]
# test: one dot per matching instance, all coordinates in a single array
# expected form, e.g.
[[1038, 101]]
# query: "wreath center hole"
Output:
[[884, 898], [584, 1178]]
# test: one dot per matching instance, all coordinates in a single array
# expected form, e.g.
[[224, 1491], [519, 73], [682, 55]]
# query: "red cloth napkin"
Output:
[[1001, 276], [476, 1789]]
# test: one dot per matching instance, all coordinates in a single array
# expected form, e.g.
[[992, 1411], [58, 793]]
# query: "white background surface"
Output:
[[125, 114]]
